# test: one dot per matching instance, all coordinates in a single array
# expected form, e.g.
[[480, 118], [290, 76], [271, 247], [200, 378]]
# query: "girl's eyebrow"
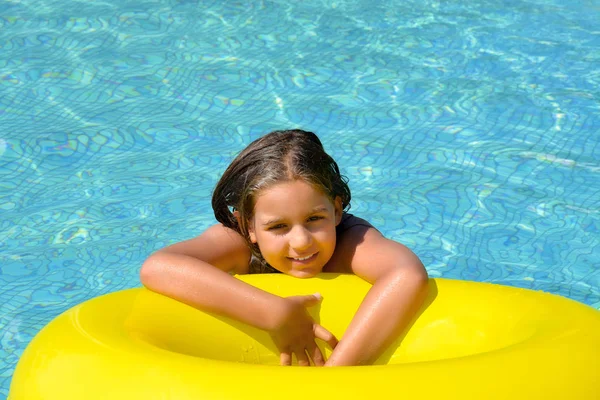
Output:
[[272, 221], [276, 220]]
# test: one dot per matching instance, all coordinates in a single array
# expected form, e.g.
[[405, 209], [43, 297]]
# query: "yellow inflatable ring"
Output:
[[471, 341]]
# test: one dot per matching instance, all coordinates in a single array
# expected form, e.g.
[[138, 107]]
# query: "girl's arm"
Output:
[[399, 289], [195, 272]]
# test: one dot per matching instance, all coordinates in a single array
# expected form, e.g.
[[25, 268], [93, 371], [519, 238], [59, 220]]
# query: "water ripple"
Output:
[[469, 132]]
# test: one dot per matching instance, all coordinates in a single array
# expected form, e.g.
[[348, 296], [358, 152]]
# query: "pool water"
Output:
[[469, 131]]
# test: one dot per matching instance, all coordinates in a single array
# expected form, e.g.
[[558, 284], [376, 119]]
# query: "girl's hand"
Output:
[[295, 331]]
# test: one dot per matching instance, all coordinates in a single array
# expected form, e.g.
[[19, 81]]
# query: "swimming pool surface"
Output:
[[469, 131]]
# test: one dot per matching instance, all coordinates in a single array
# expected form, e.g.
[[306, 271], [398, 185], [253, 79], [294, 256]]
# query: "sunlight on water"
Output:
[[468, 130]]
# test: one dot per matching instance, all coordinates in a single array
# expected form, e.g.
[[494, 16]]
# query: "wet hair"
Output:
[[279, 156]]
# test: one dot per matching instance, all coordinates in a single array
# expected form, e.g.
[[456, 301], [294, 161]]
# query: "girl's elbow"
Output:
[[150, 273], [419, 280], [413, 277], [147, 273], [419, 277]]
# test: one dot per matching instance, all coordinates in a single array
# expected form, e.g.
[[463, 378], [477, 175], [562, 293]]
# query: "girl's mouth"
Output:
[[306, 259]]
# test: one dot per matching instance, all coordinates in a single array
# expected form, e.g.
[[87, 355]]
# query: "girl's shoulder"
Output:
[[219, 246], [362, 250], [349, 221], [350, 233]]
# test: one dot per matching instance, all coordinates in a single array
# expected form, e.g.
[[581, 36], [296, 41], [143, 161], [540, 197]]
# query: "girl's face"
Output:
[[294, 227]]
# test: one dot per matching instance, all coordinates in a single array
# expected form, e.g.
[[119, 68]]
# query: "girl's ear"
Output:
[[337, 204], [251, 233], [236, 214]]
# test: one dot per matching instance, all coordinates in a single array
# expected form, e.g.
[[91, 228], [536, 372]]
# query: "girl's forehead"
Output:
[[289, 196], [291, 187]]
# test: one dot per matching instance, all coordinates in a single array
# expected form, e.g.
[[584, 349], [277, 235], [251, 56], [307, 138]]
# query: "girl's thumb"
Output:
[[307, 300], [312, 299]]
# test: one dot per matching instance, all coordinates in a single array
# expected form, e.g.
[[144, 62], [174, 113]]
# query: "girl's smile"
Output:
[[294, 226]]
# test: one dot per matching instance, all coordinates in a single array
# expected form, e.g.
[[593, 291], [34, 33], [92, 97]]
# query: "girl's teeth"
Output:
[[302, 259]]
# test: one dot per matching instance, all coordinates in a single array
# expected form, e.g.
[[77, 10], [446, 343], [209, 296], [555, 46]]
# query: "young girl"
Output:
[[280, 207]]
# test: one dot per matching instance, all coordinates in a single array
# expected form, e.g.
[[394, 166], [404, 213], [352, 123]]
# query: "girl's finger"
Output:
[[325, 335], [308, 300], [316, 355], [302, 358], [285, 358]]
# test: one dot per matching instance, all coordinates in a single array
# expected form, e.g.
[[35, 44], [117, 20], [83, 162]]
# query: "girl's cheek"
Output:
[[275, 240]]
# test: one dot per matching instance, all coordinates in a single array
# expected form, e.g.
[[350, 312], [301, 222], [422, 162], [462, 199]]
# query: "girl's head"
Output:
[[276, 158]]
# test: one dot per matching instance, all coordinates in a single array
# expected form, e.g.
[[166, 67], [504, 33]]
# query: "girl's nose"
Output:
[[300, 238]]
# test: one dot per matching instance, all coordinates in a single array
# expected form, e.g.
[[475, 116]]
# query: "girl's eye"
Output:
[[315, 218], [275, 227]]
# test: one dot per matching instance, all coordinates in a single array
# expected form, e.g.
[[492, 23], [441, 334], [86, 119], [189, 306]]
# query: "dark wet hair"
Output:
[[277, 157]]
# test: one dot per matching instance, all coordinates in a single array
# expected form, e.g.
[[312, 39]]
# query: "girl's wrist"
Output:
[[278, 313]]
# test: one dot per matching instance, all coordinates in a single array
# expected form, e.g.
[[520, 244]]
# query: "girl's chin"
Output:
[[304, 273]]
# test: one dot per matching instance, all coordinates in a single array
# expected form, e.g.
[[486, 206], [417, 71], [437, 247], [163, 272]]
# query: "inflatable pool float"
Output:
[[470, 341]]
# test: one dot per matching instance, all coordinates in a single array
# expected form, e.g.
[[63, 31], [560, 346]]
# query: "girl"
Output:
[[280, 207]]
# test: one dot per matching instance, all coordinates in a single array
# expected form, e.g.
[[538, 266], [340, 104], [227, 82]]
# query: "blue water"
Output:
[[469, 131]]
